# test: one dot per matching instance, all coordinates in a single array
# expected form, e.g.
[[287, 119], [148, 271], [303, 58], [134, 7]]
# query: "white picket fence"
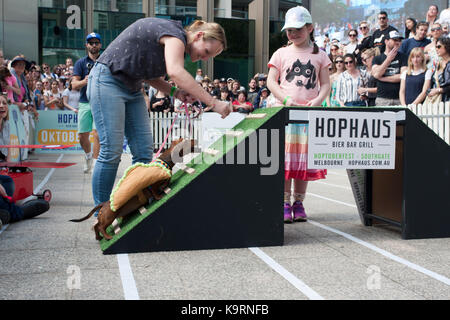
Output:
[[435, 116], [161, 123]]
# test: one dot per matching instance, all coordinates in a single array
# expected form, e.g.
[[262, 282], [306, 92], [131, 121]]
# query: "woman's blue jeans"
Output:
[[117, 112]]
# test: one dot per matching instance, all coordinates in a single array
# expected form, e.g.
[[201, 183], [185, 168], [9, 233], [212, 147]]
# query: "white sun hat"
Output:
[[296, 18]]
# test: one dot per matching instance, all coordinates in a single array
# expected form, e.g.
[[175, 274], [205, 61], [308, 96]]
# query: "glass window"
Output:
[[60, 33], [110, 24], [61, 4], [238, 60], [133, 6], [63, 34]]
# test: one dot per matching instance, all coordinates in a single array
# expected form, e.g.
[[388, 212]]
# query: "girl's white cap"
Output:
[[296, 18]]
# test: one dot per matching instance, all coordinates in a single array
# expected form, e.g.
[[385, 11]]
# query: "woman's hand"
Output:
[[221, 107], [3, 191], [362, 91], [314, 103], [183, 96], [289, 102], [434, 92]]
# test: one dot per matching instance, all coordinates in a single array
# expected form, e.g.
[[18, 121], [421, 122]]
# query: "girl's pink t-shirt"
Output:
[[299, 72]]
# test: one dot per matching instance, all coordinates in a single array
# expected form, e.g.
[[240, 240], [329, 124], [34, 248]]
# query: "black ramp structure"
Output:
[[416, 195], [235, 202]]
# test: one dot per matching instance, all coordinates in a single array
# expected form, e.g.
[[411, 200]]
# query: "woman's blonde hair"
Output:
[[7, 102], [211, 30], [372, 52], [416, 52]]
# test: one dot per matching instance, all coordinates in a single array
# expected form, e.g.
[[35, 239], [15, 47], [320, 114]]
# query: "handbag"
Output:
[[437, 98]]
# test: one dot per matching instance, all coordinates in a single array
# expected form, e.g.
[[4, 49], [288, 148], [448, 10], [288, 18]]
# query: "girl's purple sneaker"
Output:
[[299, 211], [287, 212]]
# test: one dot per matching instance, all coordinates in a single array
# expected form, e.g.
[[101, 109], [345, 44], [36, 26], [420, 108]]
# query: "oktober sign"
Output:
[[351, 140], [58, 127]]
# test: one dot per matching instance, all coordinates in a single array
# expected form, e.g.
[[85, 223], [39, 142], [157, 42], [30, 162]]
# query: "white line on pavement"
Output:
[[333, 185], [4, 228], [47, 177], [385, 253], [300, 285], [337, 173], [126, 274], [333, 200]]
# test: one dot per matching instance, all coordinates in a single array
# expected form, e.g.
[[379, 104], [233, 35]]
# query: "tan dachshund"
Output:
[[106, 216]]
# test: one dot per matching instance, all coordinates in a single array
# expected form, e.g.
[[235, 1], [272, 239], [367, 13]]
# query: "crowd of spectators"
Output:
[[371, 67], [386, 68], [243, 99], [44, 87]]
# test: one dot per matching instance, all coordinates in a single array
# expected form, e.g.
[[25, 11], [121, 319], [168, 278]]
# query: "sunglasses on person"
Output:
[[436, 29], [348, 62], [382, 18], [334, 49], [352, 35], [339, 61], [363, 27]]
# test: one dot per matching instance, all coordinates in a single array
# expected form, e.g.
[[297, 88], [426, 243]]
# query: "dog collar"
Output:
[[160, 162]]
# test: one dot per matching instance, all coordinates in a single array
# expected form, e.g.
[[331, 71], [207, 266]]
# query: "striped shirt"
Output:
[[347, 86]]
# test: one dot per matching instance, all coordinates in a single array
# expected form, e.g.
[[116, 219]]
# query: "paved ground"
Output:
[[333, 256]]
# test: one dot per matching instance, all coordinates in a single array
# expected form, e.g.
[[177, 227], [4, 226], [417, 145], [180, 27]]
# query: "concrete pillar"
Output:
[[148, 8], [258, 10], [172, 7], [205, 9], [19, 28], [225, 8], [274, 13], [89, 16]]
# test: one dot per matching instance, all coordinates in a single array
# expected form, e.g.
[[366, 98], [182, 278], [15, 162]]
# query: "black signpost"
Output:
[[415, 195]]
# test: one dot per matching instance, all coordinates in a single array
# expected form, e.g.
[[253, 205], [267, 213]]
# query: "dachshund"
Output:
[[106, 216]]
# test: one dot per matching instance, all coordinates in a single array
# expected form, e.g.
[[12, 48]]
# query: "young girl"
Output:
[[304, 80], [53, 98]]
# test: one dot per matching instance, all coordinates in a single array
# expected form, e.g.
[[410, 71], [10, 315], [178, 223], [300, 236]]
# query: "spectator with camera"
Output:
[[85, 120]]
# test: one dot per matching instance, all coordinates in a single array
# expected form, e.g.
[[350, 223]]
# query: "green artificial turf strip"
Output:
[[180, 179]]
